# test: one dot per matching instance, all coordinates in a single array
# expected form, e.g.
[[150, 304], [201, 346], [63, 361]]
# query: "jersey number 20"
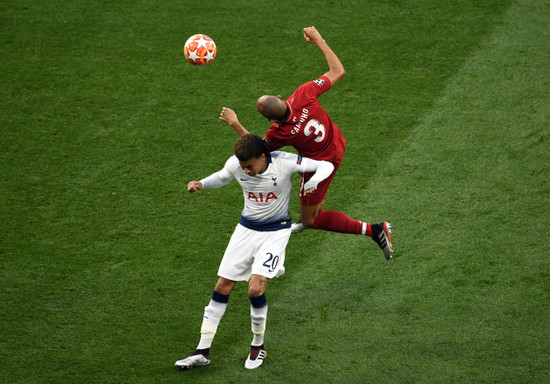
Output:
[[271, 262]]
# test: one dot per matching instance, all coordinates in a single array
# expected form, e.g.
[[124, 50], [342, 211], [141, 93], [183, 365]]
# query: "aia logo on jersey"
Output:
[[260, 198], [320, 82]]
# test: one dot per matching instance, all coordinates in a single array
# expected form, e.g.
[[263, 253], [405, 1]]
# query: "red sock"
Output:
[[335, 221]]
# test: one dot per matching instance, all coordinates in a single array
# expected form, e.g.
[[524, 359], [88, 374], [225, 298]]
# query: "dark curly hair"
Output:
[[249, 146]]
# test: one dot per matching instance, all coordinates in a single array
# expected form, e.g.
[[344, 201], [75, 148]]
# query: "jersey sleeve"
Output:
[[299, 164], [317, 87], [223, 176], [322, 169], [312, 90]]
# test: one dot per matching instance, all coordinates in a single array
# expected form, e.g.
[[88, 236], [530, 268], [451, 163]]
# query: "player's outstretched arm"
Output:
[[230, 117], [336, 69]]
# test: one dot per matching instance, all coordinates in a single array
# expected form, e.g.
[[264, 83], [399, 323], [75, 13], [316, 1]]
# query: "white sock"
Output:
[[258, 317], [212, 315]]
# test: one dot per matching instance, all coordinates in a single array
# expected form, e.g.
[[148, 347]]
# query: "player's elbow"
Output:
[[336, 75], [341, 73]]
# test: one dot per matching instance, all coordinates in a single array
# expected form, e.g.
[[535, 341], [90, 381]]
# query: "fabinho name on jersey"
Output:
[[303, 118]]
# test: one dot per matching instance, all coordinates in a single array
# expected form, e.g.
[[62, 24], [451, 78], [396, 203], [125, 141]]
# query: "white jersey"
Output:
[[267, 195]]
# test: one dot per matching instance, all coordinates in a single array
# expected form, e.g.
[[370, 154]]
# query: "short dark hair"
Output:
[[249, 146]]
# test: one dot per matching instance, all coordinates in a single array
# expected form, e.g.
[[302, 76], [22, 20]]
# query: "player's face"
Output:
[[254, 166]]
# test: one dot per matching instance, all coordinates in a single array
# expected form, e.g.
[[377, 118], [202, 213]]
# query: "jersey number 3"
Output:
[[314, 127]]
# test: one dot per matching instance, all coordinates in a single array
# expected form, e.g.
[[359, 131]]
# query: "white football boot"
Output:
[[196, 359], [256, 357], [298, 227]]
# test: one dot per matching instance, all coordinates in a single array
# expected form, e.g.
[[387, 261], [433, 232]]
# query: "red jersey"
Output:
[[308, 128]]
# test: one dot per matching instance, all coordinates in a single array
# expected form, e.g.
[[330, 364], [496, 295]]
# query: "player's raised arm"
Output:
[[230, 117], [336, 69]]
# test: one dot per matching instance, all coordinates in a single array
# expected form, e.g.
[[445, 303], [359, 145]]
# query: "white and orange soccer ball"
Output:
[[200, 50]]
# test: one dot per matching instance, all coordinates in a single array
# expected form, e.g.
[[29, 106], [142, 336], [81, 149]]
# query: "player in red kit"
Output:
[[301, 122]]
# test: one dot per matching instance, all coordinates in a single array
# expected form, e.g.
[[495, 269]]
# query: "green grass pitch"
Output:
[[106, 262]]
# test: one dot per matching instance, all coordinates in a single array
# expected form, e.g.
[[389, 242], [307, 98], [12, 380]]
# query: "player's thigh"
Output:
[[239, 255], [270, 257]]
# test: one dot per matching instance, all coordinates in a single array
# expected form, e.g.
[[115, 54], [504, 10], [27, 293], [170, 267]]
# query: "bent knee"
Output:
[[308, 221], [224, 286], [257, 286], [255, 291], [309, 214]]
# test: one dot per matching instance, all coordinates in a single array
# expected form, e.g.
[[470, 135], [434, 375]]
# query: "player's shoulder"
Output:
[[232, 163], [322, 82], [286, 158], [282, 155], [311, 90]]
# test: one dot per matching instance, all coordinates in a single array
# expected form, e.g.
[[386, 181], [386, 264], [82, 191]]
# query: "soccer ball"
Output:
[[200, 50]]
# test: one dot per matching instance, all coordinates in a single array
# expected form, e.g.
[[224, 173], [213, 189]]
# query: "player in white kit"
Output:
[[256, 250]]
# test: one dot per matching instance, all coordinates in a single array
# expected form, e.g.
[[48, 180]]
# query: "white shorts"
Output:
[[254, 252]]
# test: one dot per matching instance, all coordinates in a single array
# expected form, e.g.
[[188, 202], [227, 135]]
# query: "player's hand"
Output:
[[310, 191], [229, 116], [194, 186], [312, 36]]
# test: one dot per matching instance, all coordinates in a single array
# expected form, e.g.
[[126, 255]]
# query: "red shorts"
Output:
[[319, 195]]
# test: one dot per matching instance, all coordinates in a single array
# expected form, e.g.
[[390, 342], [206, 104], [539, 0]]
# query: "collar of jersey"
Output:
[[268, 162], [287, 120]]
